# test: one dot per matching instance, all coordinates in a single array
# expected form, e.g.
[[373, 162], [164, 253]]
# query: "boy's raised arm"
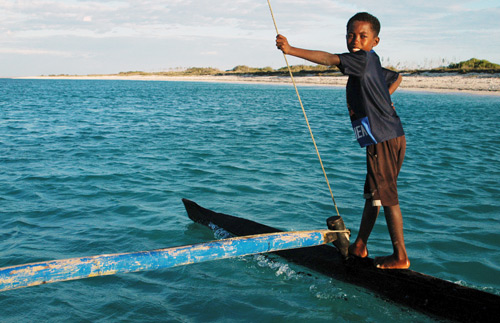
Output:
[[315, 56]]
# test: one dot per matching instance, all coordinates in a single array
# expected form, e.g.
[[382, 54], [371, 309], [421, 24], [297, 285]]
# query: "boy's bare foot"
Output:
[[391, 262], [358, 250]]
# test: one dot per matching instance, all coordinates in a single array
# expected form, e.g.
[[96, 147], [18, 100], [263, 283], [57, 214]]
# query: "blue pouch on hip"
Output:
[[363, 132]]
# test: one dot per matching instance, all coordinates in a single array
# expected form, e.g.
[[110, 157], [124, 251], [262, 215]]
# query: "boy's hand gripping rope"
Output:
[[305, 115]]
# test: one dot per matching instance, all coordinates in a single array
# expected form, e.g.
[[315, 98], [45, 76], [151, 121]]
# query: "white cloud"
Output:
[[210, 53], [18, 51]]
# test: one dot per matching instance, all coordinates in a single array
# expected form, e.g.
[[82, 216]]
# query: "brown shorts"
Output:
[[383, 163]]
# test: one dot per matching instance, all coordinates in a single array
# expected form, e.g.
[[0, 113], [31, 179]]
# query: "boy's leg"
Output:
[[370, 213], [399, 259]]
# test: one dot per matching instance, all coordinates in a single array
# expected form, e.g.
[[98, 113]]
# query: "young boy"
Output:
[[376, 126]]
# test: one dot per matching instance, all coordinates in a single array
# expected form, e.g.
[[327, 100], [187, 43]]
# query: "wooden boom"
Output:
[[77, 268], [427, 294]]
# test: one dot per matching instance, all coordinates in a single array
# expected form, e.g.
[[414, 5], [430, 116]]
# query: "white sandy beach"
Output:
[[484, 84]]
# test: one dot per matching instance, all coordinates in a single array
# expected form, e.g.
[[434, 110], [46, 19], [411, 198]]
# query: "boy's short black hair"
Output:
[[366, 17]]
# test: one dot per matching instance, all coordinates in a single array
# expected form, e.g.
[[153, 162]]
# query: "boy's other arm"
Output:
[[315, 56], [395, 85]]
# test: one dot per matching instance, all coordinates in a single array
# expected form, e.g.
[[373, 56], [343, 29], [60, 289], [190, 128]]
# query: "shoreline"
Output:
[[479, 84]]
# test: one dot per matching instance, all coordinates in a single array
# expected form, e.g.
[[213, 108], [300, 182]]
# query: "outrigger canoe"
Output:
[[433, 296]]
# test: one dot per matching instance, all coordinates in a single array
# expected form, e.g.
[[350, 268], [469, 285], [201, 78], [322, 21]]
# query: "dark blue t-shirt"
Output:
[[368, 99]]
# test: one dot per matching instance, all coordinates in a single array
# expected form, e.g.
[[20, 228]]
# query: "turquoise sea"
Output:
[[95, 167]]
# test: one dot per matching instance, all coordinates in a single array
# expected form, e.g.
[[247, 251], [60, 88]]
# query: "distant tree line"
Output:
[[470, 66], [474, 63]]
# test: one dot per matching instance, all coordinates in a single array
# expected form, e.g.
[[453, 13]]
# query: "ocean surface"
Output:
[[96, 167]]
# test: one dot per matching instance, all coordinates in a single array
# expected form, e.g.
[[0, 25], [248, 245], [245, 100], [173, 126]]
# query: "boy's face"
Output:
[[360, 36]]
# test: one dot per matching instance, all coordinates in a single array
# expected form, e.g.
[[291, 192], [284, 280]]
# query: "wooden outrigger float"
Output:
[[40, 273], [424, 293]]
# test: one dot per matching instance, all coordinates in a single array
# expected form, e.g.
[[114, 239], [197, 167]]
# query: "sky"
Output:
[[44, 37]]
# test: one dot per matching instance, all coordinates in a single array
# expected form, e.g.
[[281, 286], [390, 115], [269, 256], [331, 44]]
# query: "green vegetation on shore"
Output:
[[244, 70], [472, 65]]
